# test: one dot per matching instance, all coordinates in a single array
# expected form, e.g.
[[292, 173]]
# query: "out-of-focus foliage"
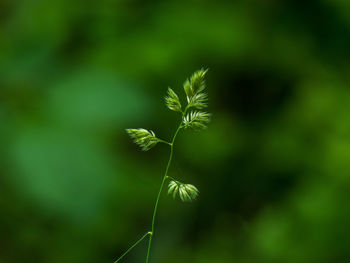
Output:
[[273, 169]]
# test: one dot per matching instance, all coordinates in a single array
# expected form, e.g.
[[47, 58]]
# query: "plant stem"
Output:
[[160, 191], [160, 140], [134, 245]]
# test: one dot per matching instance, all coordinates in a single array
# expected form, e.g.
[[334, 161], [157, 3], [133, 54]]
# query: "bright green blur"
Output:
[[273, 167]]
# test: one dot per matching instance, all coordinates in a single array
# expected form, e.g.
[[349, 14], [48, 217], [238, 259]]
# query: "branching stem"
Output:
[[160, 191], [134, 245], [151, 233], [146, 140]]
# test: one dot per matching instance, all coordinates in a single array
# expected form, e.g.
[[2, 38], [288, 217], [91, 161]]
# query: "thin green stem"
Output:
[[160, 140], [160, 191], [134, 245]]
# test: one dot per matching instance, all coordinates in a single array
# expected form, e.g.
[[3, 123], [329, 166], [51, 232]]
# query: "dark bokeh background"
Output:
[[273, 168]]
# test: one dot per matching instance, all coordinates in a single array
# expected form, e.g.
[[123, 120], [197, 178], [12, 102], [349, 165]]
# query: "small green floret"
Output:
[[195, 84], [196, 120], [172, 101], [144, 138], [187, 192], [199, 101]]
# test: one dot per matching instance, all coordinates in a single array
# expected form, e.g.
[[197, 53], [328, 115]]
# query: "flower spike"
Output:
[[187, 192], [172, 101], [196, 120], [144, 138], [195, 84]]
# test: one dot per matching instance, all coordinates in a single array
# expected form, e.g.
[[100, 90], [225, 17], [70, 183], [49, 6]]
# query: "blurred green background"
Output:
[[273, 167]]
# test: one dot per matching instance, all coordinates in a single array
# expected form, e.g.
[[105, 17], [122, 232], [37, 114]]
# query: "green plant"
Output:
[[191, 118]]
